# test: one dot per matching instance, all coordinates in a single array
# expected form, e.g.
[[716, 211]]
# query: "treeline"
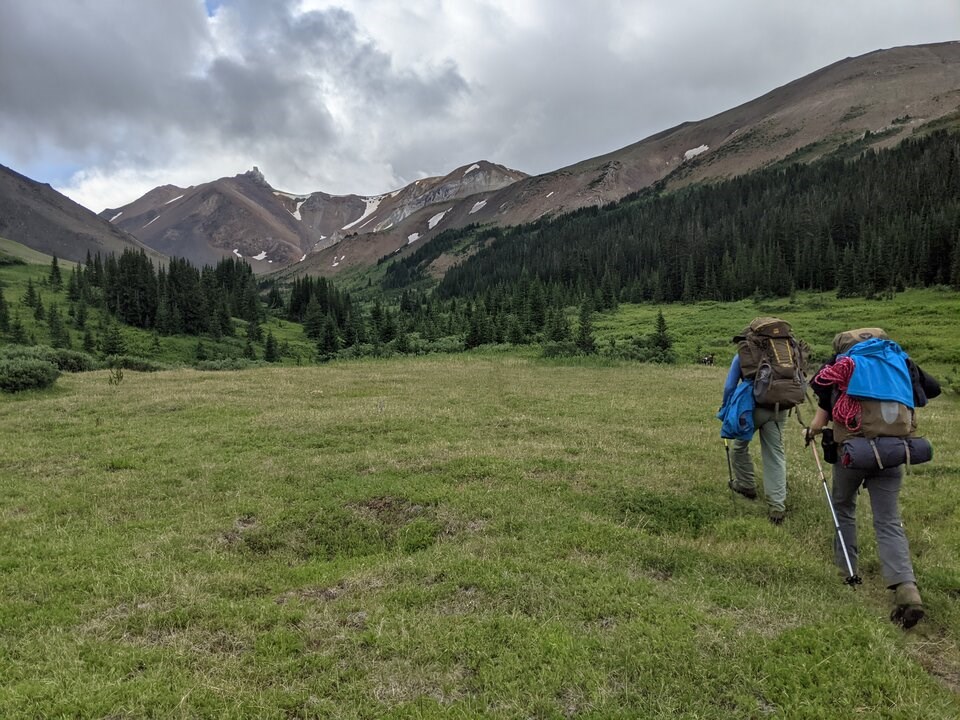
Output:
[[872, 225]]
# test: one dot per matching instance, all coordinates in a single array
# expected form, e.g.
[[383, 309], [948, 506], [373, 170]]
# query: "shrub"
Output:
[[26, 374], [65, 360], [560, 348], [134, 362]]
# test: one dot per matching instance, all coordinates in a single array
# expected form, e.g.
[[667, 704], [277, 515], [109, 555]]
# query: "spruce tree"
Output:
[[584, 341], [4, 314], [329, 342], [112, 342], [59, 335], [55, 279], [18, 334], [270, 351], [30, 295]]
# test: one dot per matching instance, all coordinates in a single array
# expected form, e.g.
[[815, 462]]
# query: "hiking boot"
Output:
[[748, 492], [907, 606], [777, 516]]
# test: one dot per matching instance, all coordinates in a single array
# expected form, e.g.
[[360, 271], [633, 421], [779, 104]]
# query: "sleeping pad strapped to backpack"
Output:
[[874, 421]]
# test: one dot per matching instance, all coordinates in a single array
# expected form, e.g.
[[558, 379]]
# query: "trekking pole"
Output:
[[852, 578], [726, 446]]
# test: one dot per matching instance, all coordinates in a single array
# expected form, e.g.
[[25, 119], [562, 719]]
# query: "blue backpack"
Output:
[[736, 416]]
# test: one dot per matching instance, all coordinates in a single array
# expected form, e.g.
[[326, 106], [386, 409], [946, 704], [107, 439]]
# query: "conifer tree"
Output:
[[329, 342], [585, 341], [54, 278], [661, 338], [80, 315], [18, 334], [112, 341], [4, 313], [59, 335], [30, 295], [270, 351]]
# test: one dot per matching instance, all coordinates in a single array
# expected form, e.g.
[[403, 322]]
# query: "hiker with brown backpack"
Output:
[[771, 359], [869, 392]]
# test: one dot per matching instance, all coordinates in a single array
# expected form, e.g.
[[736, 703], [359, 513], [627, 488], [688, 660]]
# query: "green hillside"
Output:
[[11, 251]]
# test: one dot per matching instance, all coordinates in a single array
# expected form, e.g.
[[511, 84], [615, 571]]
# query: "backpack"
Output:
[[876, 417], [775, 361], [736, 415]]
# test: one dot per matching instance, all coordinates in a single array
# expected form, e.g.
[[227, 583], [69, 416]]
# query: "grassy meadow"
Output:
[[478, 535]]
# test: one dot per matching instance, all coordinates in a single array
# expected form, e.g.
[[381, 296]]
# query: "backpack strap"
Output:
[[876, 454]]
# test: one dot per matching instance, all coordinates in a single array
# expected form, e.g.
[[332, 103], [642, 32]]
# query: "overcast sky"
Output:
[[106, 99]]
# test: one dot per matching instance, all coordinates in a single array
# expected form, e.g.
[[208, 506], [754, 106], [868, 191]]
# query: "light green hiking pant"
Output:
[[770, 427]]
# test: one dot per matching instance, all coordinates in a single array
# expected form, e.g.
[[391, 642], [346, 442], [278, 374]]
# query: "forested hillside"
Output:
[[881, 221]]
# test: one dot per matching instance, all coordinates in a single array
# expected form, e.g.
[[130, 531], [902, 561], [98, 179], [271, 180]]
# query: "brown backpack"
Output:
[[877, 418], [775, 361]]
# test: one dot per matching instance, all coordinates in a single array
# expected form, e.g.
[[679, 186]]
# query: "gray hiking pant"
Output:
[[884, 489], [770, 428]]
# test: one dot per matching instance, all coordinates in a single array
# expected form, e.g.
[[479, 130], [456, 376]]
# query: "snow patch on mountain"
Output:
[[296, 213], [372, 204], [693, 152], [237, 253], [435, 220], [261, 256], [174, 200], [116, 216], [477, 206], [303, 258], [471, 168], [413, 238], [152, 221]]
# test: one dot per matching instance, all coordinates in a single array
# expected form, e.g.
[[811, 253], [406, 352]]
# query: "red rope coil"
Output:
[[846, 409]]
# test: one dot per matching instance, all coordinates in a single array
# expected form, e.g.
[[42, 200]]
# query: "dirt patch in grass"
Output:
[[938, 655], [368, 527], [241, 525]]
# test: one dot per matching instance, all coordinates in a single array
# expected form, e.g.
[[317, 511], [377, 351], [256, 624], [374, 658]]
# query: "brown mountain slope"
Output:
[[37, 216], [244, 216], [888, 93]]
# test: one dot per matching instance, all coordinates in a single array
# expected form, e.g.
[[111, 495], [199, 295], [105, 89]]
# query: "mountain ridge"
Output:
[[37, 216], [872, 100]]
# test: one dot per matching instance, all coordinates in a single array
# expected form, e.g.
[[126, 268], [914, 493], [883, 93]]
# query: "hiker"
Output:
[[773, 360], [885, 411]]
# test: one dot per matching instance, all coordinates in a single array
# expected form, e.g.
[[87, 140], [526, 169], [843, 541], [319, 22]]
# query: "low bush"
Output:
[[65, 360], [18, 374], [135, 363]]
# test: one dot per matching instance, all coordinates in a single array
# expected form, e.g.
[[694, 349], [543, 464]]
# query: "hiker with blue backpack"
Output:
[[869, 392], [765, 381]]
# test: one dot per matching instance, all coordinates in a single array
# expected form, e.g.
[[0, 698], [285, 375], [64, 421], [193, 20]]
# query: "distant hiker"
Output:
[[869, 392], [773, 362]]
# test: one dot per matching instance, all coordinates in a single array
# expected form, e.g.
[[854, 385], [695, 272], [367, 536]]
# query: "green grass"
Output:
[[480, 535], [13, 249], [922, 321]]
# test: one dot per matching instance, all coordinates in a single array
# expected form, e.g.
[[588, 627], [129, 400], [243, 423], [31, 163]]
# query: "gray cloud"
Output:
[[109, 97]]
